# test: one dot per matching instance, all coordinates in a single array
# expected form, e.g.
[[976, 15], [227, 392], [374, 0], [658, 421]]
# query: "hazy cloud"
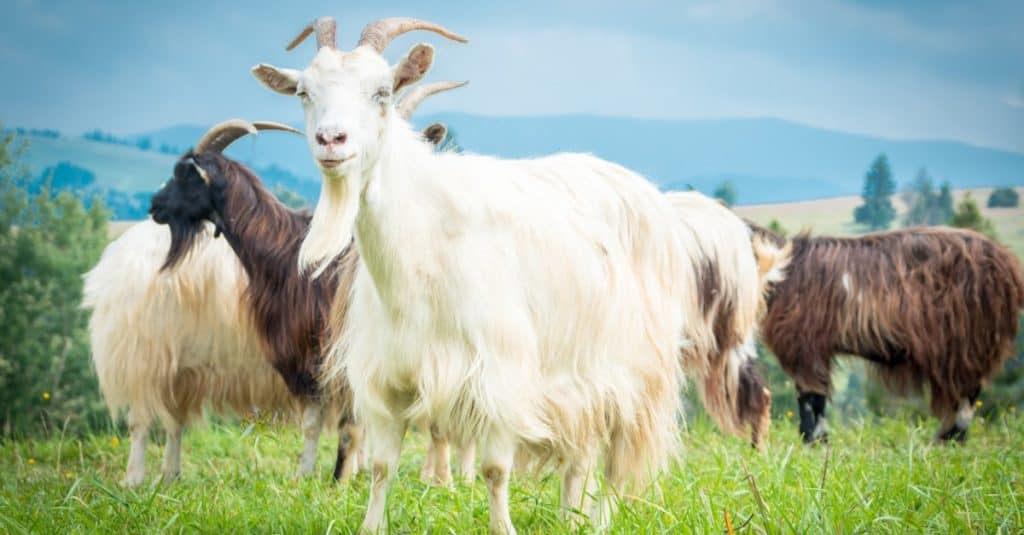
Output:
[[940, 69]]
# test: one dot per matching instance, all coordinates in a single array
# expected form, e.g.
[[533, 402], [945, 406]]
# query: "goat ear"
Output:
[[435, 133], [283, 81], [202, 172], [413, 66]]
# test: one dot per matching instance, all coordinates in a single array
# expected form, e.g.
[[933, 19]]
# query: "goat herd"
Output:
[[540, 313]]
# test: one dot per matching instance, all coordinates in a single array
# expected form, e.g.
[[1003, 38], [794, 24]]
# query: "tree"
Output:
[[877, 211], [925, 206], [946, 202], [726, 191], [65, 176], [46, 242], [968, 215], [777, 228], [1004, 198]]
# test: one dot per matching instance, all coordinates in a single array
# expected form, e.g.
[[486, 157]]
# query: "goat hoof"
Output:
[[133, 481]]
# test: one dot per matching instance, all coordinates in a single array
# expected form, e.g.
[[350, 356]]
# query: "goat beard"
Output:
[[183, 238], [330, 230]]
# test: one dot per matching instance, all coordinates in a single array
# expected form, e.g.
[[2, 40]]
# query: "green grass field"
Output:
[[874, 477]]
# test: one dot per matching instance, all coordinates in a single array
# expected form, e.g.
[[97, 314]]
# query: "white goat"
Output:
[[531, 305], [168, 344], [732, 268]]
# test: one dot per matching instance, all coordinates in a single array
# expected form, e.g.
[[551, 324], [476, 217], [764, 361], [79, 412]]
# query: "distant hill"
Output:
[[768, 160], [125, 176], [119, 167]]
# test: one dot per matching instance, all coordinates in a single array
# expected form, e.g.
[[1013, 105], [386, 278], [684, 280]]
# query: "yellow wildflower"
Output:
[[69, 475], [31, 460], [46, 395], [978, 404], [789, 414], [115, 442]]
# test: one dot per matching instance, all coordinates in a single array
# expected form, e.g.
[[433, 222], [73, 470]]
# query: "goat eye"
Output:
[[382, 95]]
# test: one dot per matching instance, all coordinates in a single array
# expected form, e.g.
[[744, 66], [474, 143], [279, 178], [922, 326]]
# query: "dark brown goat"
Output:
[[928, 307], [288, 308]]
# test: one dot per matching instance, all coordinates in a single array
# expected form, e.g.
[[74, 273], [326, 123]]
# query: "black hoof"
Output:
[[954, 433]]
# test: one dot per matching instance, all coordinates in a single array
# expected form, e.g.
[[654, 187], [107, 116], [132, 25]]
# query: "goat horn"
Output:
[[379, 33], [411, 100], [221, 135], [325, 28]]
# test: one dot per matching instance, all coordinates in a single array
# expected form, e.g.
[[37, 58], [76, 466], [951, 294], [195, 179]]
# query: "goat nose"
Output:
[[331, 139]]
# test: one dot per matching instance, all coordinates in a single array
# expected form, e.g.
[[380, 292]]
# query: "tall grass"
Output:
[[876, 476]]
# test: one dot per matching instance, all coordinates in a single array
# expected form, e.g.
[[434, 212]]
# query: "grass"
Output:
[[880, 476]]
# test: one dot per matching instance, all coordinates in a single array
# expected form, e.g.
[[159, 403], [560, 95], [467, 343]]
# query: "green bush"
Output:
[[1004, 198], [968, 215], [46, 242]]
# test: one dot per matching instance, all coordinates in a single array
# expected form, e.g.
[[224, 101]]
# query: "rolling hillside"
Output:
[[768, 160], [116, 166]]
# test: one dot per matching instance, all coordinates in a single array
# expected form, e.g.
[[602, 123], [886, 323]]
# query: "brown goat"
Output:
[[287, 307], [935, 307]]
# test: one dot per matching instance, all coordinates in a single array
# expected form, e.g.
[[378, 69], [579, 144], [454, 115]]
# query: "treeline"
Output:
[[143, 143], [38, 132], [926, 204]]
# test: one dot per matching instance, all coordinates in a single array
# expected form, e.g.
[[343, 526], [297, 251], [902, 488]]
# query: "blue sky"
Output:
[[939, 69]]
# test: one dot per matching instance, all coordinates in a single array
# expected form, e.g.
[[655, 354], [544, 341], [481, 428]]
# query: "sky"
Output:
[[941, 69]]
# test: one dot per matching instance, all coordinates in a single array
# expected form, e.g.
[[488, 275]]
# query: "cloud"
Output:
[[570, 70], [940, 71]]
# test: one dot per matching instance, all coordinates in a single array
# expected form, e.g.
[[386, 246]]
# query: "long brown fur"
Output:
[[935, 307], [288, 308]]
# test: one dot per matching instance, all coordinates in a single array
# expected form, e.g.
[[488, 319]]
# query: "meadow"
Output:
[[874, 476], [834, 216]]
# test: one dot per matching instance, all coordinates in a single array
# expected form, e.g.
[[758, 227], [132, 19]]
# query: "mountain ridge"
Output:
[[767, 159]]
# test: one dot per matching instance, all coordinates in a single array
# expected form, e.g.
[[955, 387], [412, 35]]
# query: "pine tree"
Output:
[[925, 206], [877, 212], [945, 203]]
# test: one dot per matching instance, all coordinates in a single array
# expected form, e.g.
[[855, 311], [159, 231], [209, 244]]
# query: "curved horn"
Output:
[[325, 28], [412, 99], [379, 33], [221, 135]]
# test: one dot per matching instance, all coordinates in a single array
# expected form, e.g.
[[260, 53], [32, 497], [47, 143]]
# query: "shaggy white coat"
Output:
[[168, 344], [534, 304]]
